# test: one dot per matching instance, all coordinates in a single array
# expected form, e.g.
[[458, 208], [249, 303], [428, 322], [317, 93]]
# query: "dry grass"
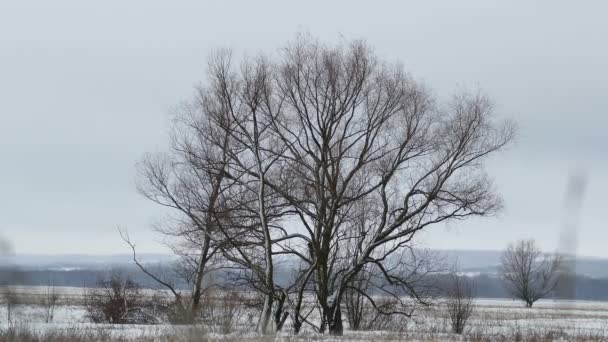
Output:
[[23, 334], [228, 320]]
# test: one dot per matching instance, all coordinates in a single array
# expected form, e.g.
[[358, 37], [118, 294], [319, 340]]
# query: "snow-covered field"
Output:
[[503, 316], [493, 319]]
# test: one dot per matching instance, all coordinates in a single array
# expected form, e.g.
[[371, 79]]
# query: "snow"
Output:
[[492, 316]]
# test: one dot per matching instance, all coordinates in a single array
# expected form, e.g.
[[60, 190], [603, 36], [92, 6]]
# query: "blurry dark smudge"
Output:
[[568, 242], [8, 271]]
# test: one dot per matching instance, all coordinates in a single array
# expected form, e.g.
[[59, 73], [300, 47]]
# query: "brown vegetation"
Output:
[[118, 300]]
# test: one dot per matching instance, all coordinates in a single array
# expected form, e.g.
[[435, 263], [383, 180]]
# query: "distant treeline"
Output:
[[586, 288], [487, 286]]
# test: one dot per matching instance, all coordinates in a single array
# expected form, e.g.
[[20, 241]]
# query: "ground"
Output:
[[493, 320]]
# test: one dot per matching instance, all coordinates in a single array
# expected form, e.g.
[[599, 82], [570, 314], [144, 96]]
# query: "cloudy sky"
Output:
[[86, 89]]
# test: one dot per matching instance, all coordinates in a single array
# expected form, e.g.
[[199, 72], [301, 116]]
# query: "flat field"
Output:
[[492, 320]]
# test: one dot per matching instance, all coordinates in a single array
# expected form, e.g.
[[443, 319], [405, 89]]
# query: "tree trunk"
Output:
[[335, 325], [198, 285], [280, 314], [297, 320], [297, 324], [269, 271], [266, 313]]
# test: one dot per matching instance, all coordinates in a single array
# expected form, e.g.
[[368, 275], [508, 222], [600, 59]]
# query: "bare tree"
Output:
[[244, 101], [190, 181], [350, 150], [354, 129], [50, 300], [460, 301], [528, 273], [221, 211]]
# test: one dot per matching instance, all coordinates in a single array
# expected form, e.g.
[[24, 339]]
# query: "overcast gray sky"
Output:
[[86, 88]]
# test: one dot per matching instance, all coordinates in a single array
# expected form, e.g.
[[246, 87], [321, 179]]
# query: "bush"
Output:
[[118, 300], [223, 312]]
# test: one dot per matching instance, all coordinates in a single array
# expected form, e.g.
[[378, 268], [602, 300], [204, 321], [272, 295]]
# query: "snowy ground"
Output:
[[495, 316], [570, 320]]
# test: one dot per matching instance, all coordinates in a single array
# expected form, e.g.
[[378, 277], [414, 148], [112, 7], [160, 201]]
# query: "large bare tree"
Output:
[[331, 156], [357, 129], [529, 274]]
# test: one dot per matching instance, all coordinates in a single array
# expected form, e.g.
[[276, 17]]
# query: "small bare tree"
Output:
[[529, 274], [460, 301], [50, 301]]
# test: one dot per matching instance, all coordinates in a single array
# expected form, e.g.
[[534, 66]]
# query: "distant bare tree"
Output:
[[529, 274], [50, 300], [460, 301]]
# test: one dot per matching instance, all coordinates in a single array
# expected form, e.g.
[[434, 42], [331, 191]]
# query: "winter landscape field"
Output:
[[344, 170], [492, 320]]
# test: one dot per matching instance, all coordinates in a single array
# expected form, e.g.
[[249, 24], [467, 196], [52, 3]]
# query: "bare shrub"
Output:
[[50, 301], [117, 300], [460, 301], [223, 311], [357, 306], [24, 333], [177, 314], [374, 319], [365, 313], [9, 298]]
